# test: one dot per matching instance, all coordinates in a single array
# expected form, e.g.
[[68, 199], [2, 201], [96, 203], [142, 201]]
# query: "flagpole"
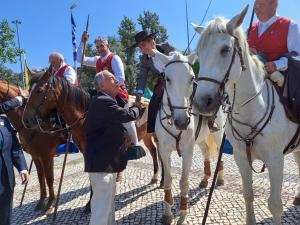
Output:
[[73, 26], [84, 47]]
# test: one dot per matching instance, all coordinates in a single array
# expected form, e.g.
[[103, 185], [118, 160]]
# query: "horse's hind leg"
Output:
[[207, 172], [246, 174], [184, 185], [48, 167], [41, 176], [153, 152], [297, 159], [275, 168]]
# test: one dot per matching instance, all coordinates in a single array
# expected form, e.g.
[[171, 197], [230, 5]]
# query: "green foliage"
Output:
[[8, 74], [131, 75], [149, 20], [196, 67], [8, 49]]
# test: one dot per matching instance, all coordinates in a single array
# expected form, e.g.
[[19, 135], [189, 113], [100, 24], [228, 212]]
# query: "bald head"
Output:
[[265, 9], [56, 60]]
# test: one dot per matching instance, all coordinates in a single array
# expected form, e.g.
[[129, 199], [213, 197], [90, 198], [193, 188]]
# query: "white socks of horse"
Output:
[[278, 78]]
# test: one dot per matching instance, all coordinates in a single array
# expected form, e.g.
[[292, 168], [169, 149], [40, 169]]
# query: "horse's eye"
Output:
[[225, 50]]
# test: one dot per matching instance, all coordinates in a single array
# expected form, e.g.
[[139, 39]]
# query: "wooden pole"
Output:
[[25, 187]]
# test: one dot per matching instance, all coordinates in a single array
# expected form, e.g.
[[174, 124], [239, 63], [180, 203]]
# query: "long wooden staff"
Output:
[[84, 47], [25, 187], [251, 22]]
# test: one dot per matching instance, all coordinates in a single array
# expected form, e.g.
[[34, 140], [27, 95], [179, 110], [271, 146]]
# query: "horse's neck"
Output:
[[249, 84], [15, 117]]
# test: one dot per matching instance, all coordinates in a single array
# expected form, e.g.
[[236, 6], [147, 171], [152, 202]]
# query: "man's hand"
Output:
[[270, 67], [85, 36], [24, 177], [138, 98]]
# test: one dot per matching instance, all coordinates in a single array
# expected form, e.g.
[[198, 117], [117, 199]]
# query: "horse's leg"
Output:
[[162, 173], [167, 217], [151, 147], [220, 178], [49, 172], [207, 172], [184, 184], [41, 176], [297, 159], [246, 174], [275, 168]]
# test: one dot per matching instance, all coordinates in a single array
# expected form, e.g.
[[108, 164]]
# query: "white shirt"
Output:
[[69, 74], [293, 40], [116, 63]]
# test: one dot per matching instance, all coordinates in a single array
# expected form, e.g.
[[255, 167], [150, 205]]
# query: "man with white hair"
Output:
[[106, 154], [273, 37], [61, 69], [113, 63]]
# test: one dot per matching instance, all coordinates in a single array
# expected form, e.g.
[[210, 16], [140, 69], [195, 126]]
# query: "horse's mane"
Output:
[[73, 95], [176, 55], [218, 25]]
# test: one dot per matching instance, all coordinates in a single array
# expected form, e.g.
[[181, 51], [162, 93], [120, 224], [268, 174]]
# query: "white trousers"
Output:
[[103, 200], [130, 127]]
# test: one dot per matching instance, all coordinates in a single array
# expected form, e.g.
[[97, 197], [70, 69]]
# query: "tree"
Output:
[[149, 20], [8, 75], [126, 32], [8, 49]]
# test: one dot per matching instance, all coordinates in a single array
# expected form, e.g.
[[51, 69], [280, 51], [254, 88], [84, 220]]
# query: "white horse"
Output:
[[175, 126], [257, 122]]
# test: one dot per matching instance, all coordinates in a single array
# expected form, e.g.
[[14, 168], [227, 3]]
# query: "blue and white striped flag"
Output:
[[74, 39]]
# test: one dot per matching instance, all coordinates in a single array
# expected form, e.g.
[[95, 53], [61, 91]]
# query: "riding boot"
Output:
[[212, 125]]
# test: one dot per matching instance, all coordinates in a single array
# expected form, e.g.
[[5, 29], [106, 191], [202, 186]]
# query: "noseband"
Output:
[[236, 49]]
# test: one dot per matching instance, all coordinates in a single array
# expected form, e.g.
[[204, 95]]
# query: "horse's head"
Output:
[[220, 52], [42, 99], [178, 85]]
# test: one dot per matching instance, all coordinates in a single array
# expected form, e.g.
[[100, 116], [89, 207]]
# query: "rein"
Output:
[[172, 107]]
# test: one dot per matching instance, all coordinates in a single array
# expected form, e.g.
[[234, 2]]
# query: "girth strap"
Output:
[[249, 144]]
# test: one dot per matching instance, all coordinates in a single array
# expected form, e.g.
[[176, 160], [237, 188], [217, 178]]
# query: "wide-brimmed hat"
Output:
[[141, 36]]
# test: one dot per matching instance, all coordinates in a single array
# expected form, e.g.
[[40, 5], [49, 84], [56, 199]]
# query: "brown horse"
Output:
[[49, 92], [72, 104], [40, 146]]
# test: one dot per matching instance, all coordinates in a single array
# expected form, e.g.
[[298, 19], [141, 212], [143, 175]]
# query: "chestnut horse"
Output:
[[40, 146]]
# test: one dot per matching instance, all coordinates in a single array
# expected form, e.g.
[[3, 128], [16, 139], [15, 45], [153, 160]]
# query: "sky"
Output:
[[46, 24]]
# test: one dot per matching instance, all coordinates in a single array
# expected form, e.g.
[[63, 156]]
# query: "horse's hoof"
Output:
[[167, 219], [49, 211], [296, 201], [203, 184], [220, 183], [40, 206], [153, 181]]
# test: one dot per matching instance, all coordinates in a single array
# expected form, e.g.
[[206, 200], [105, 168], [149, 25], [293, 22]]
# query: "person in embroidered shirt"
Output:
[[273, 36], [62, 69], [113, 63]]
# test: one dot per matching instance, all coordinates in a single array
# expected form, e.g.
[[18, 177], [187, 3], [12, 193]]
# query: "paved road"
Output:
[[139, 203]]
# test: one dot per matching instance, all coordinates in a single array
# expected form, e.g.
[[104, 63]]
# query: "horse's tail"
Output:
[[212, 147]]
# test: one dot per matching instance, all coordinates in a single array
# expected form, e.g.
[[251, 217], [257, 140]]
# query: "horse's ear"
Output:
[[192, 58], [197, 28], [162, 57], [236, 21], [49, 71]]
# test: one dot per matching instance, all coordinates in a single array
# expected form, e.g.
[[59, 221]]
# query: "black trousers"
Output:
[[6, 203], [154, 105]]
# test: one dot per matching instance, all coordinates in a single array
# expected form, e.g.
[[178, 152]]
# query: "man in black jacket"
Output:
[[106, 152]]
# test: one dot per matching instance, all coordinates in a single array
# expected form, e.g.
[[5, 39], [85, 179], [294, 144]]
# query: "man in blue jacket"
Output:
[[106, 151]]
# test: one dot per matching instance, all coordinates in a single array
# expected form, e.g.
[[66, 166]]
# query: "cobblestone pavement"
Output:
[[139, 203]]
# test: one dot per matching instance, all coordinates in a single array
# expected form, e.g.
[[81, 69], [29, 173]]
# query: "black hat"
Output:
[[141, 36]]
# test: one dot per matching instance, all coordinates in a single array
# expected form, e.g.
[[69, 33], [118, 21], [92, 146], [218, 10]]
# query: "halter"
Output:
[[172, 107], [236, 49]]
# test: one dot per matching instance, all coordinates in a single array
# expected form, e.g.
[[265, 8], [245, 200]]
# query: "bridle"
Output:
[[236, 50], [172, 107]]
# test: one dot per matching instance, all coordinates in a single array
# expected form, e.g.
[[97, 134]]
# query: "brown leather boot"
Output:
[[212, 125]]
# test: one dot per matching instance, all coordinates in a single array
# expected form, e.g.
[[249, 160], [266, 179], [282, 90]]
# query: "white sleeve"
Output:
[[293, 44], [87, 61], [293, 38], [118, 69], [70, 75]]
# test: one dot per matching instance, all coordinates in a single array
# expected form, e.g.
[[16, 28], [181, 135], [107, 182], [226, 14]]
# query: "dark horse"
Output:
[[40, 146], [49, 92]]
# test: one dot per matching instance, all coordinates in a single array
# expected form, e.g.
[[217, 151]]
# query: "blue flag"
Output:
[[74, 39]]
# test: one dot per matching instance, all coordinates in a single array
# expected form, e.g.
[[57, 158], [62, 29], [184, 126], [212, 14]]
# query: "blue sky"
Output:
[[46, 24]]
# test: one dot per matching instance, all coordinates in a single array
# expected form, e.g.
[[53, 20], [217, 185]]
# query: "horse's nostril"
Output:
[[209, 101]]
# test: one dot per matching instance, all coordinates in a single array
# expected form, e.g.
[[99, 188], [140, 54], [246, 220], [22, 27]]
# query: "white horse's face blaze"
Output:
[[179, 78]]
